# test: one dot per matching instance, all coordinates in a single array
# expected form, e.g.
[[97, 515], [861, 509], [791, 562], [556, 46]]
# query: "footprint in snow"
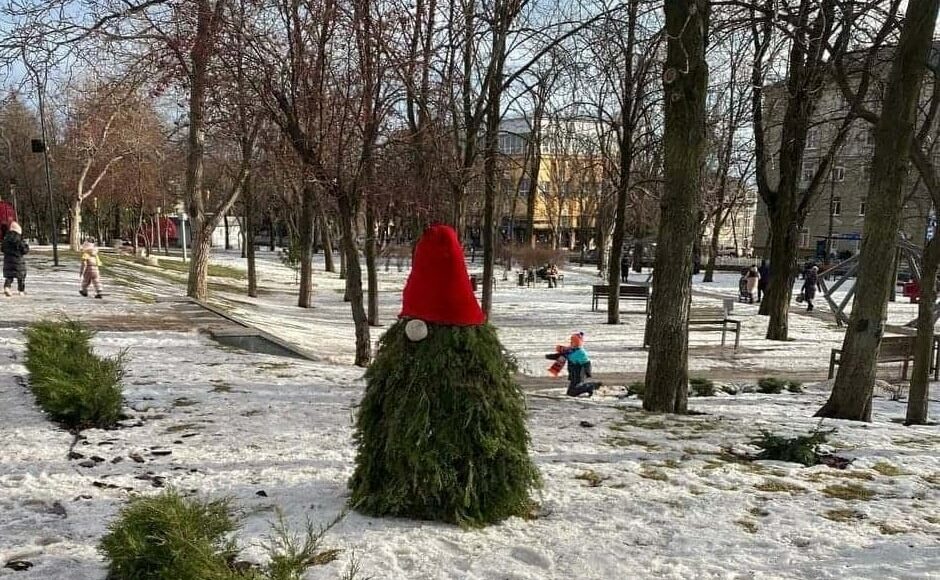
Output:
[[531, 557]]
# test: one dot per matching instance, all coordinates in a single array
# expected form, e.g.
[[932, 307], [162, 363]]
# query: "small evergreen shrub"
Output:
[[169, 536], [771, 386], [636, 388], [76, 387], [803, 449], [795, 387], [702, 387], [290, 256], [441, 430]]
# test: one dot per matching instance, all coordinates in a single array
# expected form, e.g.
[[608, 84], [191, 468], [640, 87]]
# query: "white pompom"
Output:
[[416, 330]]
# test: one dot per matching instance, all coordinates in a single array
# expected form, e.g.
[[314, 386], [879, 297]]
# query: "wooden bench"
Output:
[[709, 319], [627, 292], [895, 349], [715, 319]]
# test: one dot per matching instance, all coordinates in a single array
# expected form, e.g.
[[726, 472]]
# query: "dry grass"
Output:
[[654, 474], [748, 525], [888, 469], [849, 492], [592, 478], [844, 515], [779, 486]]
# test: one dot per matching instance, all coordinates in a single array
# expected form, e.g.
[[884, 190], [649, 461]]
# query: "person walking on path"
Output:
[[90, 274], [14, 260], [764, 272], [753, 280], [810, 283], [625, 264]]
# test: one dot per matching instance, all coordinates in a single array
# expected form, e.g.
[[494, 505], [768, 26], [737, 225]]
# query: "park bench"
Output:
[[895, 349], [627, 292], [708, 319]]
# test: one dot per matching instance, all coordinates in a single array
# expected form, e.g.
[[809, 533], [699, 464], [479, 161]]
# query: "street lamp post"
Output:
[[45, 158], [183, 232]]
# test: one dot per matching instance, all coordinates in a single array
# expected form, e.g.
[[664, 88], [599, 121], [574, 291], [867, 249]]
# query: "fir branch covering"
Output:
[[441, 430]]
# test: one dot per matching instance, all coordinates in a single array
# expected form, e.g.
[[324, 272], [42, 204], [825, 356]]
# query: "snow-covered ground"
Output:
[[626, 494], [531, 320]]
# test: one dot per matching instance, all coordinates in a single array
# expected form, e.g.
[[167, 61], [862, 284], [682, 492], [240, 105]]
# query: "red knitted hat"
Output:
[[438, 289]]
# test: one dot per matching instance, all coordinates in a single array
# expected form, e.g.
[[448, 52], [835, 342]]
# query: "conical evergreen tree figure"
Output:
[[441, 429]]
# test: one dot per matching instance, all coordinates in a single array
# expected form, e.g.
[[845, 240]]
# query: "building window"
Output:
[[809, 170], [866, 173], [867, 137], [812, 139], [862, 207], [835, 206], [804, 238], [838, 174]]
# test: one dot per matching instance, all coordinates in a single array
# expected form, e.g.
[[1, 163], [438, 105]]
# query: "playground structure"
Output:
[[908, 252]]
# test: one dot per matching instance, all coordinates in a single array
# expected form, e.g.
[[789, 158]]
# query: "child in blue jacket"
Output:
[[579, 366]]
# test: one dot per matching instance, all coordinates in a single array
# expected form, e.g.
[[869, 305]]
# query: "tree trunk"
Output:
[[327, 240], [305, 298], [784, 243], [918, 400], [199, 262], [713, 253], [272, 233], [116, 230], [228, 243], [685, 84], [627, 96], [75, 225], [200, 52], [371, 267], [249, 237], [851, 394], [354, 282]]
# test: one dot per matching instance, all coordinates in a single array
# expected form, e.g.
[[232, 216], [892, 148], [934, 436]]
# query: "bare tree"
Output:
[[851, 394], [685, 80]]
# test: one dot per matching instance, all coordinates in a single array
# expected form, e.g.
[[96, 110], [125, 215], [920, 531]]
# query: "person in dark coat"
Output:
[[14, 260], [764, 272], [810, 283], [625, 267]]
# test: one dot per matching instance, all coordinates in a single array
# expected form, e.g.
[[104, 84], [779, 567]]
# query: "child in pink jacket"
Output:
[[89, 272]]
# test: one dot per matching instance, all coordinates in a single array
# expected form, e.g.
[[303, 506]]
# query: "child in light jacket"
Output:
[[89, 273]]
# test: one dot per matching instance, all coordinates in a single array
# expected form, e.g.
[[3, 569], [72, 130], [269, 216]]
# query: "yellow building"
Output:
[[568, 186]]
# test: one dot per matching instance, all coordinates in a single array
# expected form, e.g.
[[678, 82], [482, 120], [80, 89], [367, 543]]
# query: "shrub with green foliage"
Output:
[[702, 387], [76, 387], [795, 386], [771, 386], [636, 388], [171, 537], [802, 449], [441, 430]]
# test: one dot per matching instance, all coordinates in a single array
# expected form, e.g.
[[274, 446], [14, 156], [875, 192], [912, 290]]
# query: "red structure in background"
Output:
[[167, 231], [7, 217], [912, 291]]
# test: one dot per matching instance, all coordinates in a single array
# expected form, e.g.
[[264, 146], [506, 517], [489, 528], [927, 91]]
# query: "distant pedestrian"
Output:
[[753, 281], [810, 283], [625, 267], [14, 260], [764, 272], [551, 275], [90, 274], [742, 286]]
